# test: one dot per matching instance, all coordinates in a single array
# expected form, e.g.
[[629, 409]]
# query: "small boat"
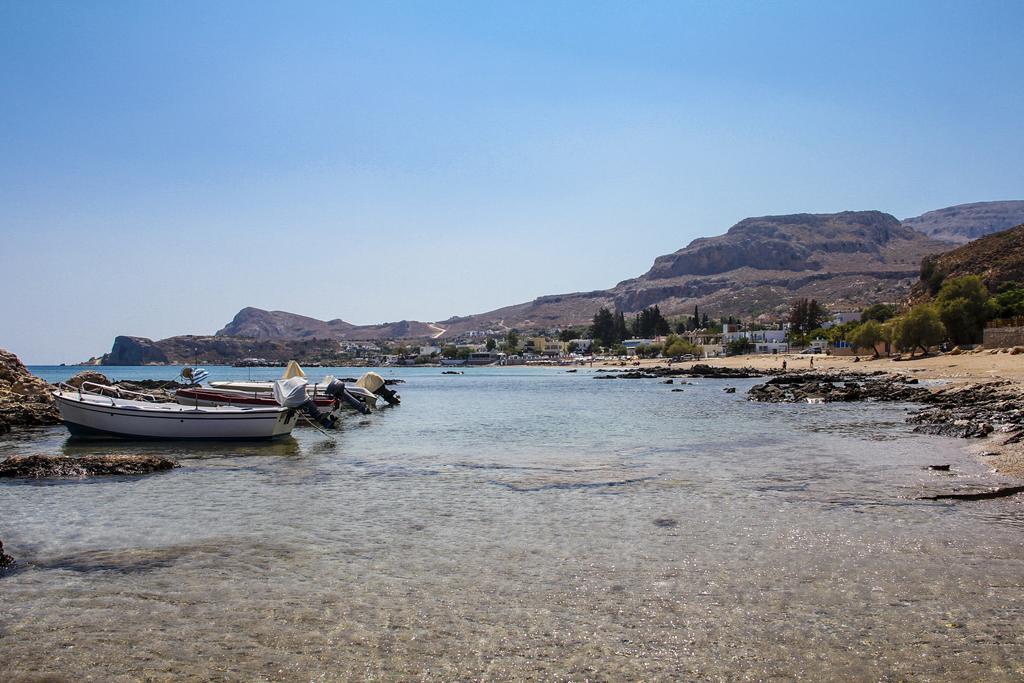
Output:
[[356, 397], [367, 389], [104, 411]]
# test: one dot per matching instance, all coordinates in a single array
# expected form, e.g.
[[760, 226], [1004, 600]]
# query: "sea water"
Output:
[[514, 523]]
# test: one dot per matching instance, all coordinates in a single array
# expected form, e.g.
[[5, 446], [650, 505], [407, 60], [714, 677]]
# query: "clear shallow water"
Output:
[[523, 523]]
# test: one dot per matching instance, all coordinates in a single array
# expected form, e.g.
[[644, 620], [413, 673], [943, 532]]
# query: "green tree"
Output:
[[567, 335], [806, 315], [603, 327], [463, 353], [491, 344], [571, 347], [450, 351], [618, 350], [866, 335], [677, 346], [511, 341], [620, 330], [964, 308], [739, 346], [878, 313], [650, 323], [918, 328], [1008, 301], [931, 276]]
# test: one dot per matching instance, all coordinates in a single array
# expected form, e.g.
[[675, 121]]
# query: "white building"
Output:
[[841, 318], [582, 345], [632, 344], [764, 341]]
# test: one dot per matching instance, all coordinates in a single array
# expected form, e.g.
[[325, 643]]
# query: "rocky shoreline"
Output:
[[25, 400], [699, 370], [961, 411]]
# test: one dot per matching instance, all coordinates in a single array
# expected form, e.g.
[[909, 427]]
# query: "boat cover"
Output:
[[290, 393], [371, 381], [293, 370]]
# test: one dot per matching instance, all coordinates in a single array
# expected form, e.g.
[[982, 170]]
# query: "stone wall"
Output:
[[1002, 337]]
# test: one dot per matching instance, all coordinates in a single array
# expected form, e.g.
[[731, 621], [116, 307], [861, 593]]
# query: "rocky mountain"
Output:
[[846, 259], [255, 333], [997, 258], [256, 323], [214, 350], [965, 222]]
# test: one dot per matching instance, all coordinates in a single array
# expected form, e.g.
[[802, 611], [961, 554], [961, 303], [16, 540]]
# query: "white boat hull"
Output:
[[90, 415]]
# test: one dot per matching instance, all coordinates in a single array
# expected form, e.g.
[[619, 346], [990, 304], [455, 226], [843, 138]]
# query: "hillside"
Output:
[[964, 222], [996, 258], [256, 323], [213, 350], [758, 266]]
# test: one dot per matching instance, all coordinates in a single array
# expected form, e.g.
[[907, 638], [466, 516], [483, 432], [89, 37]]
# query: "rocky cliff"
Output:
[[759, 265], [211, 350], [256, 323], [964, 222]]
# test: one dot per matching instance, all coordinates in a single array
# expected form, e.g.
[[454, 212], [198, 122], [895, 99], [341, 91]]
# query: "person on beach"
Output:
[[783, 364], [812, 361]]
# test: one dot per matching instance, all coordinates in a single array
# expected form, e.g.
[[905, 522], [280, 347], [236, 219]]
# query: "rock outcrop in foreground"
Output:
[[25, 400], [40, 466]]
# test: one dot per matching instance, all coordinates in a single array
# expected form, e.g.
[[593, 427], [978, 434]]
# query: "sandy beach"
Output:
[[964, 367]]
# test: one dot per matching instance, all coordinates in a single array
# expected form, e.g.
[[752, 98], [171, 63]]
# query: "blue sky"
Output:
[[163, 164]]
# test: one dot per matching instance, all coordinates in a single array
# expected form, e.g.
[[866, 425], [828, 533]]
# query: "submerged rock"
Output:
[[1000, 492], [39, 466], [5, 559]]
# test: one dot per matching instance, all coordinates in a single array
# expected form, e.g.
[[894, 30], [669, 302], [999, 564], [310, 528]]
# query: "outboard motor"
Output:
[[336, 390], [291, 393], [373, 382]]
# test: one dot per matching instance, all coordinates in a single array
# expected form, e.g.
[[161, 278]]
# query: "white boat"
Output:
[[367, 389], [200, 396], [99, 410]]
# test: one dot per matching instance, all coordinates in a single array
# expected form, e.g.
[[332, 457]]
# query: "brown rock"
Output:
[[25, 400], [38, 466], [88, 376]]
